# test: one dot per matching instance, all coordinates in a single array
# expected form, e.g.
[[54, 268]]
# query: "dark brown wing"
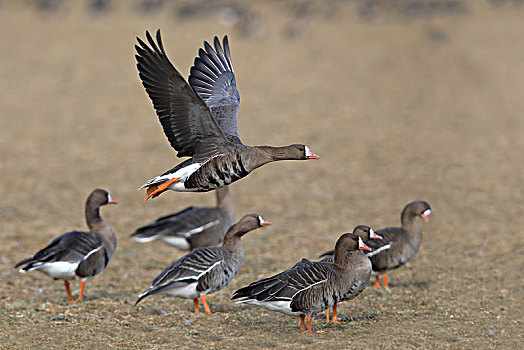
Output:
[[191, 267], [186, 119], [213, 78], [73, 246], [286, 285], [185, 223]]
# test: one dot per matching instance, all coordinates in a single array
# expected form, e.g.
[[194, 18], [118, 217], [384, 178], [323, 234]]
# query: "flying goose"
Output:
[[192, 227], [78, 254], [206, 270], [199, 119], [308, 287]]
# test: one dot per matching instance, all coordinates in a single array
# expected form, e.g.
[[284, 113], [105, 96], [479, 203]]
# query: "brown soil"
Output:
[[401, 104]]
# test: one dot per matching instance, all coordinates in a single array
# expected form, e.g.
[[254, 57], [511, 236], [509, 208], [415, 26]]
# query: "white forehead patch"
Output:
[[109, 199], [260, 220], [371, 232], [360, 242], [427, 212]]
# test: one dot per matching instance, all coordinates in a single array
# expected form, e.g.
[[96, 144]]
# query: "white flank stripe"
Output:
[[209, 268], [375, 252], [310, 286], [91, 253], [201, 228]]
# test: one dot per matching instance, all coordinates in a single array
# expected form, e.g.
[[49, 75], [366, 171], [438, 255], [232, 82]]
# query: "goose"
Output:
[[206, 270], [308, 287], [78, 254], [192, 227], [398, 244], [199, 118], [362, 266]]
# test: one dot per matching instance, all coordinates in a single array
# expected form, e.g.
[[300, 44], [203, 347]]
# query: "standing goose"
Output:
[[206, 270], [193, 227], [78, 254], [199, 119], [308, 287], [398, 244], [362, 267]]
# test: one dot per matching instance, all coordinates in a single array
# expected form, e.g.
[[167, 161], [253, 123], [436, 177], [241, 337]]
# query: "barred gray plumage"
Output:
[[308, 287], [205, 270]]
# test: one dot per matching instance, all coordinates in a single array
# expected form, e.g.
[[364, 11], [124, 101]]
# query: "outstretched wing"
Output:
[[185, 118], [212, 76]]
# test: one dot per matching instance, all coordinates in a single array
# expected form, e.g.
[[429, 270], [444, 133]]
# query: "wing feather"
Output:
[[212, 76], [185, 118], [190, 267]]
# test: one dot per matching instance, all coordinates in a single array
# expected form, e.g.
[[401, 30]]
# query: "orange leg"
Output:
[[327, 315], [377, 282], [206, 307], [308, 322], [82, 286], [69, 296], [385, 279], [71, 299], [302, 324], [156, 189], [195, 301], [335, 318]]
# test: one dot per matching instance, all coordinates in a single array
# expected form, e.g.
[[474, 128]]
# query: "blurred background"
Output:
[[403, 100]]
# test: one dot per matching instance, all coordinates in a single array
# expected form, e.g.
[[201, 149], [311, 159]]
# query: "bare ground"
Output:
[[400, 103]]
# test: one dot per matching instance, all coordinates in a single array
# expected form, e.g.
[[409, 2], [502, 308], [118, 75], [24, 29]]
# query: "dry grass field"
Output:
[[401, 103]]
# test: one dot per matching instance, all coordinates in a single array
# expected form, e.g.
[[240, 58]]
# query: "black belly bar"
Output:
[[216, 174]]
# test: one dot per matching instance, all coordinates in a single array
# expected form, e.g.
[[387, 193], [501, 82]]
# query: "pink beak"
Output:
[[425, 217], [373, 235], [363, 246], [311, 155], [111, 200]]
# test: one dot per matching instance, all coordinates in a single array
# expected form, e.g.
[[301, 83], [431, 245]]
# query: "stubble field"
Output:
[[399, 105]]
